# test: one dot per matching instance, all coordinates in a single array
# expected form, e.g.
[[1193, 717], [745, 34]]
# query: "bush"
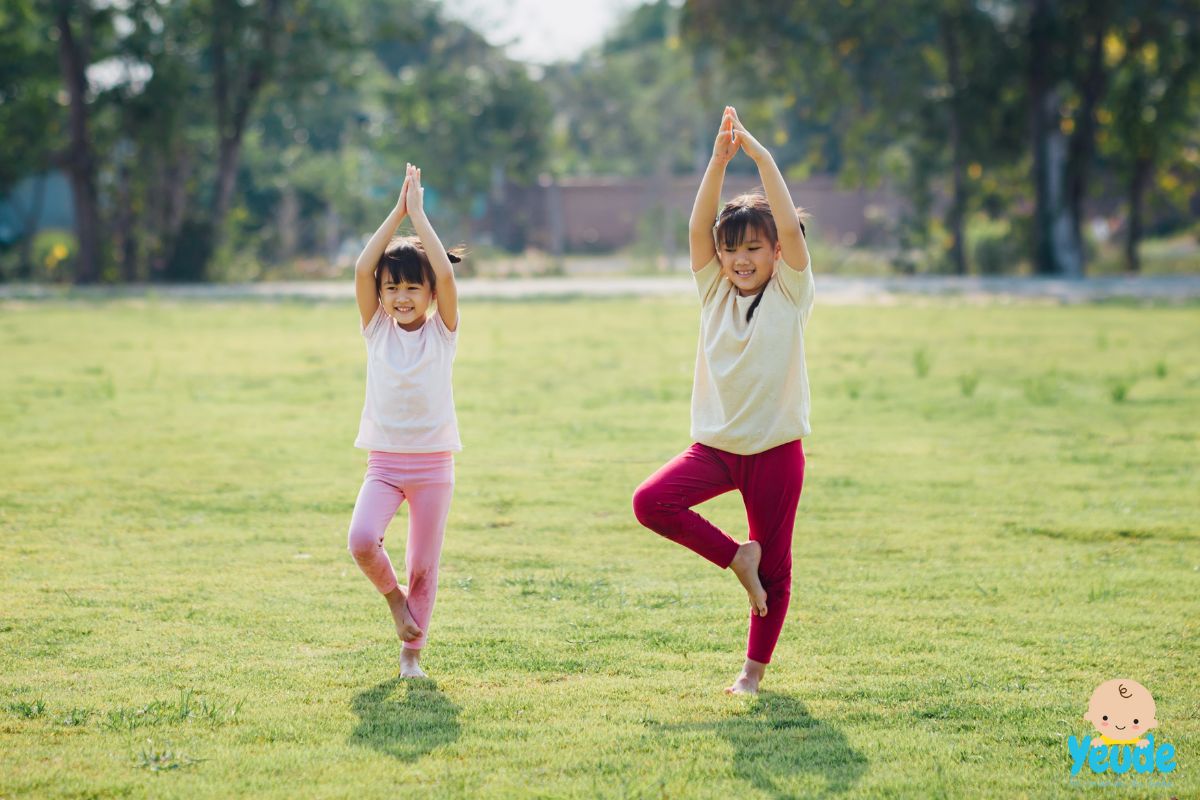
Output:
[[995, 246], [54, 253]]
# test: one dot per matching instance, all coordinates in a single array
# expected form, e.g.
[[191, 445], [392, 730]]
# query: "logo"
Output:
[[1123, 714]]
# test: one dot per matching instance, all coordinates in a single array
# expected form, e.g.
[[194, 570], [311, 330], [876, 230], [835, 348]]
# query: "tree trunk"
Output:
[[1055, 231], [1082, 143], [124, 228], [958, 201], [1143, 168], [79, 160], [234, 103]]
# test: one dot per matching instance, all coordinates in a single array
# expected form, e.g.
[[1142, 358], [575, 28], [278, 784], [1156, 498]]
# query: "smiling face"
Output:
[[1121, 709], [406, 282], [405, 301], [749, 263], [747, 242]]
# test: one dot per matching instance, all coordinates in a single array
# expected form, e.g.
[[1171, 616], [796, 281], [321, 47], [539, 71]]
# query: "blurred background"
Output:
[[241, 140]]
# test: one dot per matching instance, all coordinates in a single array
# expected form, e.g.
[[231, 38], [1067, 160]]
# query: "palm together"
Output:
[[412, 194], [732, 136]]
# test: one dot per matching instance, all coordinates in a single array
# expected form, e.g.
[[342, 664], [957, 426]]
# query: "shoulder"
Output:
[[377, 323], [437, 325], [796, 284], [708, 280]]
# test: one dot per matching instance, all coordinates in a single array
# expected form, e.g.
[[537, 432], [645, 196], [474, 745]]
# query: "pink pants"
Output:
[[770, 483], [426, 480]]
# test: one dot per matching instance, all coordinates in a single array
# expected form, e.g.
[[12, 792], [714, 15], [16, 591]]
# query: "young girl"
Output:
[[408, 422], [750, 392]]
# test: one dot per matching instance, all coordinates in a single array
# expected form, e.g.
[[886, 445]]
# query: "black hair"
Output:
[[405, 261], [746, 214]]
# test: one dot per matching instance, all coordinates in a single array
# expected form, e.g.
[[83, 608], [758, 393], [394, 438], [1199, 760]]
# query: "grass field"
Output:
[[1000, 512]]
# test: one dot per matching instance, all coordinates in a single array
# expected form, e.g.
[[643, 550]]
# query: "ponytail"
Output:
[[757, 300]]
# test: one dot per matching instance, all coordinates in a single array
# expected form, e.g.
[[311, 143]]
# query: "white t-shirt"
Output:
[[409, 406], [750, 392]]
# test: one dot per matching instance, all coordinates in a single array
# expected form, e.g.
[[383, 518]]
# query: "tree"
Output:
[[1152, 105], [867, 81], [75, 26], [29, 124]]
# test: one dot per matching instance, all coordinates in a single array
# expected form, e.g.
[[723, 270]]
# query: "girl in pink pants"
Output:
[[750, 394], [408, 422]]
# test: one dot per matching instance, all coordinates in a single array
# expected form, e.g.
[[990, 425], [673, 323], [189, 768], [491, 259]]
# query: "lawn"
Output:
[[1001, 511]]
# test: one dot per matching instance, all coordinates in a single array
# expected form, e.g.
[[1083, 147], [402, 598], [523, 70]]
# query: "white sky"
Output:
[[540, 31]]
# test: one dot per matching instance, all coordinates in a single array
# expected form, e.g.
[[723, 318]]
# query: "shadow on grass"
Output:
[[777, 740], [405, 718]]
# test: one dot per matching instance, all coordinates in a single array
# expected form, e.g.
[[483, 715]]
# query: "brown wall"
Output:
[[602, 214]]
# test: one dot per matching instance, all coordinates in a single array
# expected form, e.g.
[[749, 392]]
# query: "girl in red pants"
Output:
[[750, 395]]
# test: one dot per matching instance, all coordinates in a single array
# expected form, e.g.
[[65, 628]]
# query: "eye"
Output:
[[1135, 722], [1105, 718]]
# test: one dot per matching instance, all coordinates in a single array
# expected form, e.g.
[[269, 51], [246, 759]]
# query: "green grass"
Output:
[[987, 532]]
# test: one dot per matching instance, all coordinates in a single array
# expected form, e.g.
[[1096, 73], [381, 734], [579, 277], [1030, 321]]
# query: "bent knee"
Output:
[[648, 504], [363, 542]]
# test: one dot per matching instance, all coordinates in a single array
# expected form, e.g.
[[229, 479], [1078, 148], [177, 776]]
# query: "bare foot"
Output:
[[410, 664], [406, 627], [747, 682], [745, 566]]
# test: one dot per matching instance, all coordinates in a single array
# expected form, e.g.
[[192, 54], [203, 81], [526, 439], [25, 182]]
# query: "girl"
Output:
[[750, 392], [408, 422]]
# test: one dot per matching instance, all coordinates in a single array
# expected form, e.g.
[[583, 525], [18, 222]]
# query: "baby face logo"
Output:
[[1122, 712]]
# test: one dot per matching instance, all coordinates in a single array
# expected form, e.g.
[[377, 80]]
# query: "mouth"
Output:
[[1119, 727], [404, 309], [743, 273]]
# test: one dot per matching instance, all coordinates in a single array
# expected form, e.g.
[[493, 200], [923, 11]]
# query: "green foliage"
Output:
[[968, 382], [997, 247], [53, 252], [162, 759], [921, 362], [28, 710]]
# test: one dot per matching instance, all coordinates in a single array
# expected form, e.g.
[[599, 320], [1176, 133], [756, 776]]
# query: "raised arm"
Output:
[[368, 259], [704, 210], [787, 222], [439, 259]]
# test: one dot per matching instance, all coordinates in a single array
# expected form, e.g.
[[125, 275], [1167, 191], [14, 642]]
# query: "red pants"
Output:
[[770, 483]]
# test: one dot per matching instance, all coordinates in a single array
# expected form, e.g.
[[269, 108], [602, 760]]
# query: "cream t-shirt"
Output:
[[750, 392], [409, 407]]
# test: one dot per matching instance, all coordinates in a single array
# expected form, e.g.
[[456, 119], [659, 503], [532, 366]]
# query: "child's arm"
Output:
[[704, 211], [787, 223], [368, 259], [447, 290]]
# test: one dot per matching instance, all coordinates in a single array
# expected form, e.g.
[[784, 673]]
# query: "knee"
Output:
[[648, 505], [363, 542]]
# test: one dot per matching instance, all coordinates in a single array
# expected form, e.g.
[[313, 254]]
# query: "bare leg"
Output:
[[410, 663], [406, 627], [747, 682], [745, 566]]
